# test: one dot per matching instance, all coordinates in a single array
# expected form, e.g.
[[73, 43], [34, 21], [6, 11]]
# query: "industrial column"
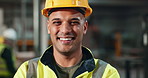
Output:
[[145, 44], [36, 26]]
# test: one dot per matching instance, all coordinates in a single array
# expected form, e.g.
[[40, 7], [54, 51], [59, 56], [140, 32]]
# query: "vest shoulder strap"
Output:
[[32, 68], [98, 73]]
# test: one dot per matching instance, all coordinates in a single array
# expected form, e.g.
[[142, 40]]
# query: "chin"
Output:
[[65, 53]]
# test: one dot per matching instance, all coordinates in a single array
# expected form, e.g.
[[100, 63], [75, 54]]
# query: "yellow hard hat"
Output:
[[1, 39], [49, 4]]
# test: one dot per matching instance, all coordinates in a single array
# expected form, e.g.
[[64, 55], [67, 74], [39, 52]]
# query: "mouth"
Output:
[[66, 40]]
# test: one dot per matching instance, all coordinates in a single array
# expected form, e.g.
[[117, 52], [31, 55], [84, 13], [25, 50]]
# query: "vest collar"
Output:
[[88, 60]]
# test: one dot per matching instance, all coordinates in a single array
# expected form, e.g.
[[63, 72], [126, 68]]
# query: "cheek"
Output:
[[79, 31], [53, 30]]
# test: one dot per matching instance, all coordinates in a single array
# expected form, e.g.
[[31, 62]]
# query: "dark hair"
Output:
[[79, 9]]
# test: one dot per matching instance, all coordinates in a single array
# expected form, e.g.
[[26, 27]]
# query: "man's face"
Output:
[[66, 28]]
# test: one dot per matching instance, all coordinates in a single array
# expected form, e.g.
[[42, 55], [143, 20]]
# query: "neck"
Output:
[[68, 61]]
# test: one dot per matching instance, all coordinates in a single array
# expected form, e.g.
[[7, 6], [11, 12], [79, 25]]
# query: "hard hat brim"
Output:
[[47, 9]]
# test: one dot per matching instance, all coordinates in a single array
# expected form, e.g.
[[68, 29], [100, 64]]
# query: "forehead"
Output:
[[66, 14]]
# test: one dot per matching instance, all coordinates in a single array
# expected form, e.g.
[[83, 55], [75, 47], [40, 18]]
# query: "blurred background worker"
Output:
[[7, 58]]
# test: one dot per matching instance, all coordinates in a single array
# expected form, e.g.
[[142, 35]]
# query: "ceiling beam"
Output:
[[119, 2]]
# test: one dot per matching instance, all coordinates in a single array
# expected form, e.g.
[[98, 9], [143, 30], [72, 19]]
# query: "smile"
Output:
[[65, 38]]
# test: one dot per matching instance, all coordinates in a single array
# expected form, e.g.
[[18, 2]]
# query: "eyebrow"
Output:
[[75, 19], [70, 19], [55, 19]]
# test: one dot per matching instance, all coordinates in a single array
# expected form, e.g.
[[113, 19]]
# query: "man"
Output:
[[7, 59], [66, 58]]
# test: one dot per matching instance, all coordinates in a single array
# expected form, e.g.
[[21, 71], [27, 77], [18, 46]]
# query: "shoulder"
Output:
[[26, 64], [110, 71], [33, 61], [106, 70], [22, 70], [100, 63]]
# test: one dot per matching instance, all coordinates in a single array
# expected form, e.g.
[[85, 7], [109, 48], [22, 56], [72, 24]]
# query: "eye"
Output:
[[74, 23], [57, 23]]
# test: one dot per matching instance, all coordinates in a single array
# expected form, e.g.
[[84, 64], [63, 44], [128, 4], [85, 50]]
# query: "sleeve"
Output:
[[22, 70], [110, 72]]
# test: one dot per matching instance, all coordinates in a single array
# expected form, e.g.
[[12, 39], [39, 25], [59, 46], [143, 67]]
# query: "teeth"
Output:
[[65, 38]]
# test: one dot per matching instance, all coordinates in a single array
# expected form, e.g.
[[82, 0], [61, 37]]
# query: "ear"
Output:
[[48, 27], [85, 27]]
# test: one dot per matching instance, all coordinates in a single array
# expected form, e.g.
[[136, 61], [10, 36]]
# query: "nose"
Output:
[[66, 28]]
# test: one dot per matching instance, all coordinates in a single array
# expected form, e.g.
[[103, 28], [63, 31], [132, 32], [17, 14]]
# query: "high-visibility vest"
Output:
[[3, 67], [41, 68], [35, 69], [97, 73]]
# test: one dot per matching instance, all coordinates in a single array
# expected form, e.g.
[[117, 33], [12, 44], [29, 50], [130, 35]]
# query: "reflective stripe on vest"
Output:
[[98, 72], [3, 66], [32, 68]]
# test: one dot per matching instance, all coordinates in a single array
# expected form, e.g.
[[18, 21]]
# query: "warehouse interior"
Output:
[[118, 32]]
